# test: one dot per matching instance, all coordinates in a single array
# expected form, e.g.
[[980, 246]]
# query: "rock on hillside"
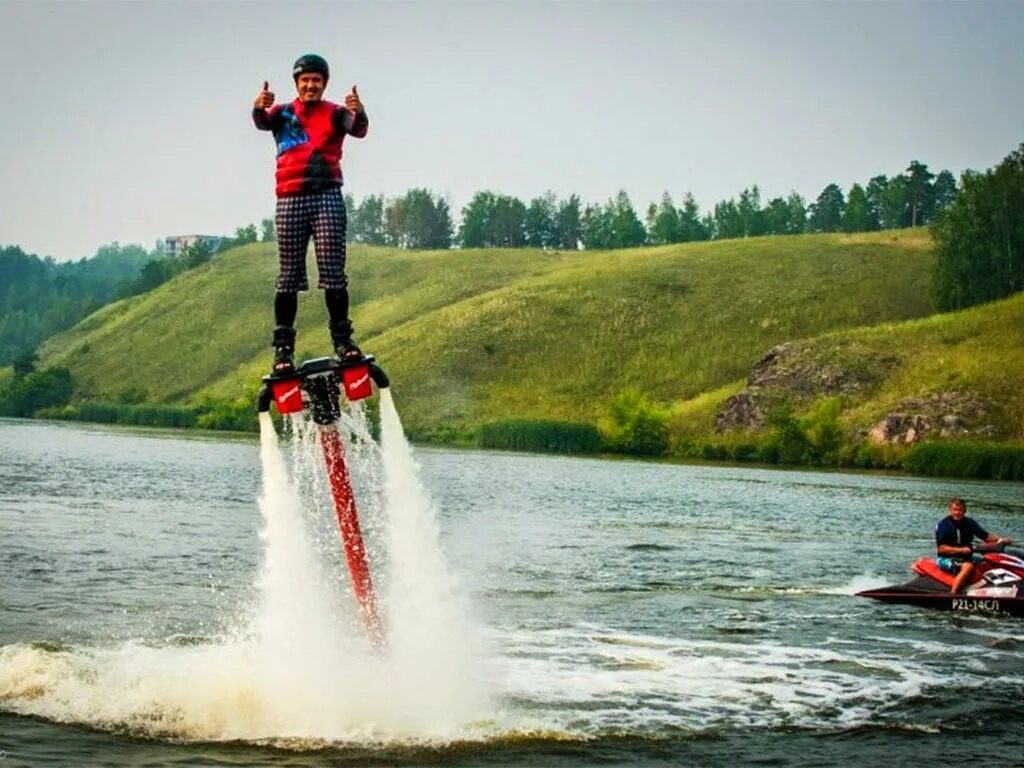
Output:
[[943, 414], [797, 373]]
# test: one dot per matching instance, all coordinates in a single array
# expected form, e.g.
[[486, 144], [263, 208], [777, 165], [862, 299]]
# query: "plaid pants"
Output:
[[320, 215]]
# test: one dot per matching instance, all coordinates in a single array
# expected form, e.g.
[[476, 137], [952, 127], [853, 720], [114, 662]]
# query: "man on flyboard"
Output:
[[309, 133]]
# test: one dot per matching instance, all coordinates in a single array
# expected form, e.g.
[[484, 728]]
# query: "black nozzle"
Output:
[[379, 377], [263, 399]]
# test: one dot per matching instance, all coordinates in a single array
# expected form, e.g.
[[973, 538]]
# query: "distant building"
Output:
[[176, 245]]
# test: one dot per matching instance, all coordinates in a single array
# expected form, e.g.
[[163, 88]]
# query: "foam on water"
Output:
[[578, 682], [858, 583], [594, 680]]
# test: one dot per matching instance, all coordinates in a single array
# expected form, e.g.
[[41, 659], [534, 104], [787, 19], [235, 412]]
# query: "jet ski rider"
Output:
[[953, 537]]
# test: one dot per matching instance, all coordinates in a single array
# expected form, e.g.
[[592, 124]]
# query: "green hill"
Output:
[[475, 337]]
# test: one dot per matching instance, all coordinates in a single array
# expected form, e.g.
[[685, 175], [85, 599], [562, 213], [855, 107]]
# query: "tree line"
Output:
[[40, 297], [979, 239], [978, 223], [420, 219]]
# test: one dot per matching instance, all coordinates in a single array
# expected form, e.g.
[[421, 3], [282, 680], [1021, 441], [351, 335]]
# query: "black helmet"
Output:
[[310, 62]]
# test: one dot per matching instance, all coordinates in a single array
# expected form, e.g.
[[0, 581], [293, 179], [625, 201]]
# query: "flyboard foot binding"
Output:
[[318, 384]]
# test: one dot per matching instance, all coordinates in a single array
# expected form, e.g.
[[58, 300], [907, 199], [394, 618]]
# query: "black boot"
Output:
[[284, 349], [341, 337]]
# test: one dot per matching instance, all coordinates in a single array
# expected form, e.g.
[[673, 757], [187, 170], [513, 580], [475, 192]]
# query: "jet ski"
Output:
[[998, 587]]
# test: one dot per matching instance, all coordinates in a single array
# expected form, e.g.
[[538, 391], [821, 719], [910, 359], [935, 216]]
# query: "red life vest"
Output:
[[309, 136]]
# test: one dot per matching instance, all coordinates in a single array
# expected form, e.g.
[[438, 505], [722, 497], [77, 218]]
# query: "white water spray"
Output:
[[300, 630], [434, 653], [427, 682], [303, 671]]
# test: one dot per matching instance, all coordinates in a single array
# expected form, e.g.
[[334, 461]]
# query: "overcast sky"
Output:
[[129, 121]]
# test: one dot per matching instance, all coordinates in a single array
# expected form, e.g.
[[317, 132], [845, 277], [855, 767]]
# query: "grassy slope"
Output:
[[209, 329], [979, 350], [671, 321], [469, 336]]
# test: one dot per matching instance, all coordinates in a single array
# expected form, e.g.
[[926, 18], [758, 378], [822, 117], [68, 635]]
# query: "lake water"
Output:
[[170, 599]]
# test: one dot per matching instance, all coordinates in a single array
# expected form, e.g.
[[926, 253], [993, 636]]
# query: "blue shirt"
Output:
[[958, 534]]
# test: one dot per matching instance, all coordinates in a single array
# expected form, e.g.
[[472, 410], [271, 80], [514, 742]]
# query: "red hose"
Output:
[[351, 535]]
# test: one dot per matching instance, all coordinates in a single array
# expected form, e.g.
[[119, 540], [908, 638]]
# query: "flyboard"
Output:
[[316, 385]]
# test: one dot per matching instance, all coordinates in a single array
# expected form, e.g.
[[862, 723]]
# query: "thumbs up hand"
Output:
[[265, 98], [353, 102]]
